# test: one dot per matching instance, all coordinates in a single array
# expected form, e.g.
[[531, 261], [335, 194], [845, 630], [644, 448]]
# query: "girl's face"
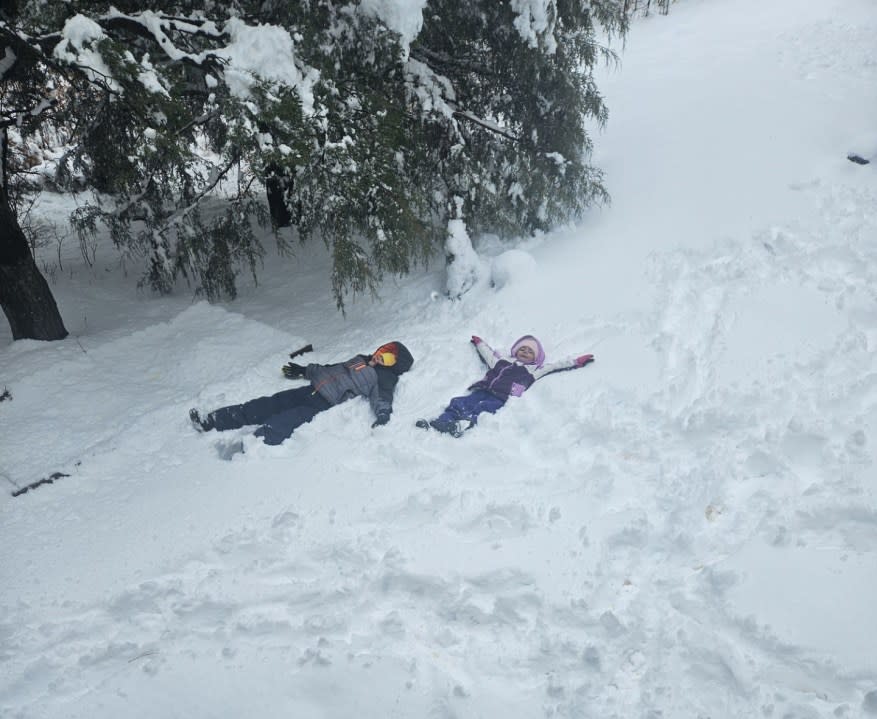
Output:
[[525, 354]]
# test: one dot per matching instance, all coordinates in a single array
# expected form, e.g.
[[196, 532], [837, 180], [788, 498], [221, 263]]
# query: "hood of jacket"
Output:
[[534, 344], [404, 360]]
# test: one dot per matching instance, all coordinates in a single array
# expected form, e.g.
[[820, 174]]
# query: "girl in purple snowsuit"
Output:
[[506, 377]]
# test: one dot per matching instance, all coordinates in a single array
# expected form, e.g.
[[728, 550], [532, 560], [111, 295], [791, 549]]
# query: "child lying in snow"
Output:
[[373, 376], [506, 377]]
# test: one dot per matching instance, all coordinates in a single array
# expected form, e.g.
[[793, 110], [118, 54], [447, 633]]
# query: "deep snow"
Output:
[[686, 528]]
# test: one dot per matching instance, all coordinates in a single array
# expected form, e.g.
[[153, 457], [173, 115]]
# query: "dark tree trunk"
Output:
[[25, 296], [277, 187]]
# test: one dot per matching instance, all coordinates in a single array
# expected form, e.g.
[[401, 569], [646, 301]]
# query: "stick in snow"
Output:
[[54, 476], [301, 351], [33, 485]]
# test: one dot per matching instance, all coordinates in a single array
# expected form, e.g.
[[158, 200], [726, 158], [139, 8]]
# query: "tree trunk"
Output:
[[276, 190], [278, 185], [25, 296]]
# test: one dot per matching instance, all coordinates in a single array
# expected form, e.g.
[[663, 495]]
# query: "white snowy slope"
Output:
[[686, 528]]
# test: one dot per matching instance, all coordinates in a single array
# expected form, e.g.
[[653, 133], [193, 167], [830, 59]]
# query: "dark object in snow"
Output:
[[6, 394], [858, 159], [45, 480], [301, 351]]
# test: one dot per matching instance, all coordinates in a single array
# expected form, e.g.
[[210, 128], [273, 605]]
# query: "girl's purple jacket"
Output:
[[507, 377]]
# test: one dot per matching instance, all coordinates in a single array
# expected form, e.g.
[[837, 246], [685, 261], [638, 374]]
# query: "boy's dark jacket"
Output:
[[355, 378]]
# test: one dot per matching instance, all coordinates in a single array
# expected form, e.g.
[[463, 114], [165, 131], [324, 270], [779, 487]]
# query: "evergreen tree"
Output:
[[366, 135], [522, 93]]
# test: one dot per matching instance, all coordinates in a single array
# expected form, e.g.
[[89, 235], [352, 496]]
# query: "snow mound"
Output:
[[511, 268]]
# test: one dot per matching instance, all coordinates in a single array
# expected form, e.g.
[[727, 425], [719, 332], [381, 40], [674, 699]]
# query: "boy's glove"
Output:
[[291, 370], [476, 340], [583, 360], [383, 418]]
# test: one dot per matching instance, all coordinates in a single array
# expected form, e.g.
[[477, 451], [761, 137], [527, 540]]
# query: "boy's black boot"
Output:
[[201, 424]]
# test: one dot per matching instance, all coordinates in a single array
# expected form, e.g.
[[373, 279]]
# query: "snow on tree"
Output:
[[465, 268], [361, 119]]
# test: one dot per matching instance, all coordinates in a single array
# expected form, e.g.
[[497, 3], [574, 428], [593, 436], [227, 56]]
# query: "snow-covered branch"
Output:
[[215, 178], [486, 124]]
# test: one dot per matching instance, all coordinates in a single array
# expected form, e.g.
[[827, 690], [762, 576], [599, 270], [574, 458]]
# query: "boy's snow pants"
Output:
[[278, 415]]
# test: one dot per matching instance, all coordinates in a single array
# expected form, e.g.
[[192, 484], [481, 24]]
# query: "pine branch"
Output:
[[431, 57], [144, 26], [486, 124], [179, 214]]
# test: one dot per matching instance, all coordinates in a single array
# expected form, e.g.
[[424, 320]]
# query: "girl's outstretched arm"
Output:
[[564, 364], [488, 355]]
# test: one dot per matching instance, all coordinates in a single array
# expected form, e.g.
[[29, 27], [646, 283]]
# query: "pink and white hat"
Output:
[[534, 344]]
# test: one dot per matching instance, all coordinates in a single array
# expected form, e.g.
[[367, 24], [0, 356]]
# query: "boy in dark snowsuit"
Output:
[[371, 376], [506, 377]]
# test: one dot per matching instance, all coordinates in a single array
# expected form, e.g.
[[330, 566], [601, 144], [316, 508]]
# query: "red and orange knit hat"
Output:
[[388, 353]]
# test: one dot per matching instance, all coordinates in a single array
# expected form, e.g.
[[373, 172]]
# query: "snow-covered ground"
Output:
[[686, 528]]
